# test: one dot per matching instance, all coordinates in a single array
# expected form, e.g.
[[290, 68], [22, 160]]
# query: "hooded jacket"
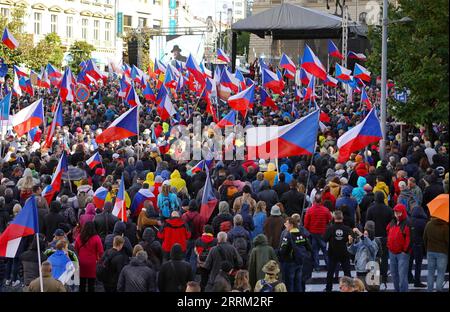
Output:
[[270, 174], [288, 177], [382, 187], [88, 215], [270, 197], [380, 213], [176, 180], [418, 221], [119, 229], [151, 244], [358, 192], [196, 221], [261, 253], [173, 232], [259, 218], [175, 273], [397, 239], [205, 241], [346, 199], [137, 277]]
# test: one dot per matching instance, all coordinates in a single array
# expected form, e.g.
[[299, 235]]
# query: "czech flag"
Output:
[[99, 197], [57, 121], [266, 100], [9, 40], [159, 67], [310, 93], [298, 93], [44, 81], [228, 80], [262, 65], [312, 64], [93, 70], [126, 70], [343, 74], [148, 93], [243, 100], [65, 88], [170, 78], [209, 200], [5, 105], [305, 77], [228, 120], [124, 87], [241, 79], [136, 74], [94, 160], [202, 165], [334, 51], [161, 94], [331, 81], [287, 63], [54, 187], [222, 56], [123, 127], [132, 97], [34, 135], [365, 133], [28, 118], [25, 85], [52, 71], [20, 71], [24, 224], [365, 99], [297, 138], [271, 81], [361, 73], [16, 86], [120, 206], [165, 109], [195, 70], [138, 201], [357, 56]]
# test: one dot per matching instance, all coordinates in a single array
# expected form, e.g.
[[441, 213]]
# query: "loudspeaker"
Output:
[[134, 52]]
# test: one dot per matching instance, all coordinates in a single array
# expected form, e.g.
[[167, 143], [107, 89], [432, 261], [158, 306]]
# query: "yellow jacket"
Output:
[[270, 174], [176, 180], [383, 188]]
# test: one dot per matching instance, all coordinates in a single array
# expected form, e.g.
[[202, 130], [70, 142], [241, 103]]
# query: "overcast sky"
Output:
[[205, 8]]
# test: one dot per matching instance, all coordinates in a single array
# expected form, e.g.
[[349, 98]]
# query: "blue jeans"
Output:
[[191, 257], [292, 275], [399, 266], [318, 244], [436, 261]]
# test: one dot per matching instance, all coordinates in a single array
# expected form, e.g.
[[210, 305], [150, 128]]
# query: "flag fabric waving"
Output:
[[243, 100], [312, 64], [358, 137], [5, 105], [28, 118], [228, 120], [333, 50], [361, 73], [9, 40], [121, 128], [221, 55], [138, 201], [209, 200], [287, 63], [55, 186], [94, 160], [120, 206], [24, 224], [57, 121]]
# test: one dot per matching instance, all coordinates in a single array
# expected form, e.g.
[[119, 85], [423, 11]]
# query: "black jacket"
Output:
[[293, 202], [175, 273], [104, 223], [219, 219], [381, 214], [337, 237], [52, 223], [417, 222], [29, 261], [137, 277], [116, 261], [281, 188], [119, 229], [366, 202]]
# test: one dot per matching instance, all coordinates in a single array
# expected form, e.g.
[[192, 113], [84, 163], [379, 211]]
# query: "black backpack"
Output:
[[241, 245], [103, 267], [268, 287], [299, 247]]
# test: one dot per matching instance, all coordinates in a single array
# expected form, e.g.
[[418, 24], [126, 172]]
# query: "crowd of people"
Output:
[[274, 220]]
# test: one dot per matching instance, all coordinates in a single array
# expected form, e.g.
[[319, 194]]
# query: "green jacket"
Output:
[[259, 256]]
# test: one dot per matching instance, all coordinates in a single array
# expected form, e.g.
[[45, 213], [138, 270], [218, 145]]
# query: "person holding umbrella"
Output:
[[435, 239]]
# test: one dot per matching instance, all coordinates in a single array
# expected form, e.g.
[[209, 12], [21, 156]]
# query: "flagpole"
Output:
[[138, 146], [41, 281]]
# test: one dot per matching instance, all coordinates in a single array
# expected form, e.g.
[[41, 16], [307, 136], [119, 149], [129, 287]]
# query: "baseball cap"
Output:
[[59, 232]]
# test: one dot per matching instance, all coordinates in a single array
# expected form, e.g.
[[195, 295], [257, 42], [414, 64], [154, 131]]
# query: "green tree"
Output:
[[47, 50], [243, 41], [417, 60], [80, 51]]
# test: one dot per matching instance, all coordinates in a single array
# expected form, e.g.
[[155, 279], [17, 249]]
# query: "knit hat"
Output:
[[275, 211], [271, 267], [358, 158]]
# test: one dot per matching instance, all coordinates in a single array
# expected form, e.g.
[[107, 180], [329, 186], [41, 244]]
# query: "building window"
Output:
[[69, 27], [37, 23], [238, 4], [96, 29], [5, 12], [127, 20], [84, 26], [107, 32], [142, 22], [54, 23], [238, 12]]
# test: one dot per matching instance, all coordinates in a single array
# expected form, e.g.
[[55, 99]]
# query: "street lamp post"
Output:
[[383, 78]]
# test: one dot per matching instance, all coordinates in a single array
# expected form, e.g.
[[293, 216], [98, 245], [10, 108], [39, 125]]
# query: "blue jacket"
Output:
[[345, 199], [358, 192], [365, 250], [418, 220], [258, 219], [288, 177], [247, 218], [59, 261]]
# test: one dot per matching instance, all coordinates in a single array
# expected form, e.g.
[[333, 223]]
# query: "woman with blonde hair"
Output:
[[241, 282], [259, 217], [136, 249], [25, 185], [358, 285]]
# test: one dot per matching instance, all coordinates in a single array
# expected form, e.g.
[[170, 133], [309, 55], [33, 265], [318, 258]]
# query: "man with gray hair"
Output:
[[137, 276], [224, 220], [240, 238], [224, 251]]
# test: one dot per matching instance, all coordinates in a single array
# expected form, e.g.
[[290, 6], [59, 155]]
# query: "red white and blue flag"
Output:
[[93, 70], [312, 64], [57, 121], [55, 186], [365, 133], [266, 100], [132, 97], [99, 197], [138, 201], [34, 135], [230, 81], [357, 56], [287, 63], [9, 40], [160, 68], [365, 99], [148, 93], [195, 70], [361, 73], [228, 120], [305, 77], [26, 86], [121, 128], [221, 55], [343, 74], [333, 50], [331, 81], [52, 71], [165, 109], [120, 206], [66, 90], [243, 100], [28, 118], [297, 138], [271, 81], [209, 200], [21, 72], [94, 160], [24, 224]]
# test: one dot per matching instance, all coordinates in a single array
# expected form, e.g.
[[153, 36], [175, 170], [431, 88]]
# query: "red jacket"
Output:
[[174, 232], [398, 241], [317, 218], [330, 197], [88, 255], [397, 188], [205, 241], [361, 169], [197, 223]]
